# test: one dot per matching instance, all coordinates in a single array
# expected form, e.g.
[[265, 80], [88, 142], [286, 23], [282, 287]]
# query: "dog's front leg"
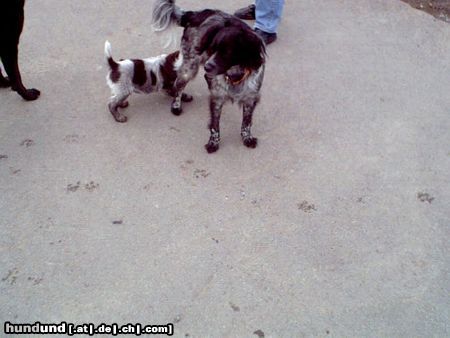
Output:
[[188, 70], [180, 83], [9, 60], [176, 107], [246, 133], [215, 105]]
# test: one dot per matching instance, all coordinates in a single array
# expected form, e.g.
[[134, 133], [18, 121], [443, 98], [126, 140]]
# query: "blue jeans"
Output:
[[268, 14]]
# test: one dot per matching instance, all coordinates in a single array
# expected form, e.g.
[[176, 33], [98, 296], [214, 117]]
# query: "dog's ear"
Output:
[[207, 35], [253, 49]]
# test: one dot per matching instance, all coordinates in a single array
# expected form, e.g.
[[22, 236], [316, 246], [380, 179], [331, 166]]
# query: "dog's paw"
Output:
[[250, 142], [211, 147], [30, 94], [186, 97], [120, 118], [176, 110]]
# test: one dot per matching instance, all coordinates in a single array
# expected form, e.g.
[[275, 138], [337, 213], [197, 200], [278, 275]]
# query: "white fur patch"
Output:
[[177, 64]]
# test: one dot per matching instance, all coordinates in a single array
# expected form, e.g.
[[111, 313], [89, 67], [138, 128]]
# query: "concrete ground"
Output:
[[337, 224]]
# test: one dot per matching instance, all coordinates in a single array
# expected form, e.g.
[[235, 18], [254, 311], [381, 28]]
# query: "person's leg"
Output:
[[268, 15]]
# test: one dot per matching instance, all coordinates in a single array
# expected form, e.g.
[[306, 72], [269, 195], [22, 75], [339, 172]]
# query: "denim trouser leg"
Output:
[[268, 14]]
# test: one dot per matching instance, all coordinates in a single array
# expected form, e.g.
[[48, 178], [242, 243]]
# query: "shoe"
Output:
[[246, 13], [268, 38]]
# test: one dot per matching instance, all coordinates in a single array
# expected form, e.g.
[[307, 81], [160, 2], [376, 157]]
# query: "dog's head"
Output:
[[231, 44]]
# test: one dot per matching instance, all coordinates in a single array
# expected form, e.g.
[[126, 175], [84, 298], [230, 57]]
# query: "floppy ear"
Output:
[[254, 50], [207, 35]]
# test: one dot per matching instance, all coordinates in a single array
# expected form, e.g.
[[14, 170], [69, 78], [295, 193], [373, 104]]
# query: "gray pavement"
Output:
[[337, 224]]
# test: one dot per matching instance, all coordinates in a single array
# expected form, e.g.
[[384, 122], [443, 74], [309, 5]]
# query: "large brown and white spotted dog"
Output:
[[233, 57], [140, 76]]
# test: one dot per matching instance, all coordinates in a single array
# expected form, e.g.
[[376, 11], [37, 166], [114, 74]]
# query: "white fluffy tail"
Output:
[[108, 55], [165, 13], [108, 50]]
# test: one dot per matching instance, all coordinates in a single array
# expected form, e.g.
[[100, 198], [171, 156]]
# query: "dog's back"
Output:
[[139, 75], [166, 12]]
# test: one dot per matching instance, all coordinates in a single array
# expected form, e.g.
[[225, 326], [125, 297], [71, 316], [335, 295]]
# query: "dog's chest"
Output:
[[244, 91]]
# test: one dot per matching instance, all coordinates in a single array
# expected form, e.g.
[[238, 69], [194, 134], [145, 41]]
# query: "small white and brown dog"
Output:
[[140, 76]]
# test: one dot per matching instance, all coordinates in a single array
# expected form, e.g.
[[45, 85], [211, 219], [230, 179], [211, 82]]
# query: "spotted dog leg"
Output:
[[183, 78], [179, 96], [246, 133], [216, 105], [124, 104], [114, 103], [176, 107], [186, 97], [187, 71]]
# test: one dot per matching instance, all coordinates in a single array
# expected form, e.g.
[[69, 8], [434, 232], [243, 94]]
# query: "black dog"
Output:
[[233, 57], [11, 24]]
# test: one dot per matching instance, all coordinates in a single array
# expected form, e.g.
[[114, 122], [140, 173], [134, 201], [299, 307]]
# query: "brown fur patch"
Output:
[[153, 77], [115, 73], [167, 70], [140, 75]]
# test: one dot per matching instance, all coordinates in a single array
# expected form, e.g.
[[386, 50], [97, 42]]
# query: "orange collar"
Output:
[[242, 79]]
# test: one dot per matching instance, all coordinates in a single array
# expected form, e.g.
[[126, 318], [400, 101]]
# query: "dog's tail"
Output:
[[112, 64], [165, 14]]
